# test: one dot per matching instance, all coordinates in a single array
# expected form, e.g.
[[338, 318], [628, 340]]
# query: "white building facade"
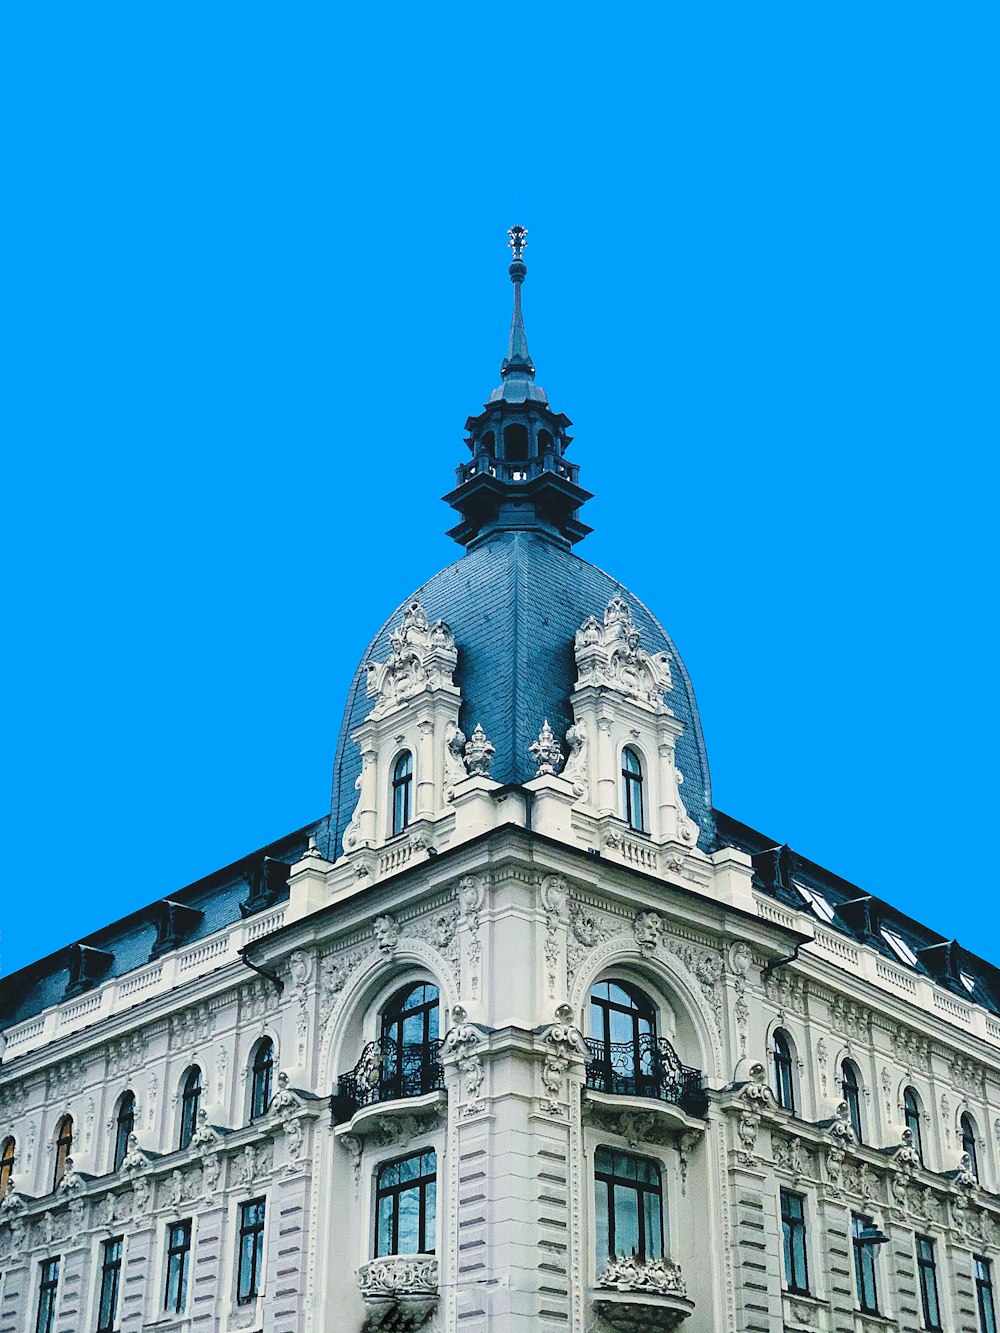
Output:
[[525, 1034]]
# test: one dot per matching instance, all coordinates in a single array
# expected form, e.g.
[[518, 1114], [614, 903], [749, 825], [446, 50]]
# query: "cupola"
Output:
[[518, 478]]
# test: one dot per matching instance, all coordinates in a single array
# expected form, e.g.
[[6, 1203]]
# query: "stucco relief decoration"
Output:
[[576, 765], [12, 1219], [554, 898], [300, 971], [471, 892], [135, 1159], [546, 752], [454, 758], [756, 1097], [906, 1155], [790, 1156], [65, 1080], [386, 932], [460, 1043], [661, 1277], [841, 1130], [610, 654], [911, 1050], [740, 959], [13, 1101], [423, 656], [564, 1043], [821, 1058], [190, 1026], [478, 754], [965, 1176], [648, 930], [586, 932]]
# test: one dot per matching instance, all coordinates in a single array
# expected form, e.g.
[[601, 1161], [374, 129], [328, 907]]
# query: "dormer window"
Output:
[[402, 791], [816, 901], [632, 783], [899, 947], [968, 982]]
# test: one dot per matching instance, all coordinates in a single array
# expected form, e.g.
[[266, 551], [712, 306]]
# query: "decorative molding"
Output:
[[546, 752], [610, 655], [423, 656]]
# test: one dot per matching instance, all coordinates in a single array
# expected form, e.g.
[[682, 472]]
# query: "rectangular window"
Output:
[[927, 1272], [793, 1229], [178, 1258], [984, 1295], [251, 1251], [111, 1272], [629, 1206], [406, 1206], [47, 1287], [865, 1264]]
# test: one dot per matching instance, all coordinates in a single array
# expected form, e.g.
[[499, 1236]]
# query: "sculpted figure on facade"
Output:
[[647, 929]]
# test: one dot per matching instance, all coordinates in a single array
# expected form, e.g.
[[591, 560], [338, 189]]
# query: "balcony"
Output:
[[648, 1067], [636, 1296], [388, 1072], [400, 1291]]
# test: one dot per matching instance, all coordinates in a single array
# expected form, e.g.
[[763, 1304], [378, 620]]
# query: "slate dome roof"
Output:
[[514, 604]]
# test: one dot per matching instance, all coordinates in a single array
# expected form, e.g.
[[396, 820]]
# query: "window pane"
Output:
[[626, 1221], [654, 1238], [601, 1219], [384, 1226], [409, 1222], [621, 1027], [430, 1217], [246, 1267]]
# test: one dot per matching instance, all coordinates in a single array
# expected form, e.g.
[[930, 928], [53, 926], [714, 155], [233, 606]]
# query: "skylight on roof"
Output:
[[968, 982], [816, 901], [899, 947]]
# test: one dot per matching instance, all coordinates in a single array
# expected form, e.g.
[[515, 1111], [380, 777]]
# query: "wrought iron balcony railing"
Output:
[[648, 1067], [388, 1071]]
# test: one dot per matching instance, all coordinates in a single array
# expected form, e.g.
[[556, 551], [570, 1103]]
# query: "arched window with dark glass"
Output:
[[968, 1127], [261, 1077], [410, 1042], [784, 1087], [124, 1126], [628, 1207], [623, 1039], [632, 794], [852, 1096], [402, 791], [406, 1205], [190, 1105], [64, 1148], [7, 1151], [911, 1114], [515, 443], [488, 444]]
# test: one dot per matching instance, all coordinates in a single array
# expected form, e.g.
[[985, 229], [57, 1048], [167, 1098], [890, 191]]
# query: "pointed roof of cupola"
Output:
[[517, 370]]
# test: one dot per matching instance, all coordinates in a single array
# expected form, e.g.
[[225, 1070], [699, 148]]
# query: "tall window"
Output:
[[190, 1105], [969, 1142], [261, 1077], [629, 1211], [178, 1259], [793, 1230], [406, 1206], [402, 789], [251, 1251], [623, 1019], [632, 803], [984, 1295], [865, 1264], [927, 1273], [7, 1152], [911, 1114], [852, 1096], [47, 1287], [784, 1089], [124, 1126], [409, 1025], [64, 1148], [111, 1272]]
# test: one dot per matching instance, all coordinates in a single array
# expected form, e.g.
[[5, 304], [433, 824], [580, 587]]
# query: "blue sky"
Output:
[[254, 282]]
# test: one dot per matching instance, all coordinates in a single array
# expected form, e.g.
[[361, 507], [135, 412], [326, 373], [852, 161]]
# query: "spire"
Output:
[[518, 358]]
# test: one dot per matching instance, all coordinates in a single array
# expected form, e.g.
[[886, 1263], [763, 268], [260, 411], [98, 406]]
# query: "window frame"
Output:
[[401, 787], [850, 1086], [983, 1270], [633, 790], [911, 1119], [191, 1091], [644, 1018], [792, 1227], [782, 1067], [109, 1288], [606, 1183], [249, 1275], [864, 1254], [125, 1116], [64, 1149], [927, 1282], [8, 1160], [261, 1078], [967, 1126], [182, 1253], [424, 1184], [48, 1293]]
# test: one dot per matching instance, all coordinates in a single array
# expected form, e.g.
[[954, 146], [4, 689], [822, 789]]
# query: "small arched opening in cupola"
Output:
[[515, 443]]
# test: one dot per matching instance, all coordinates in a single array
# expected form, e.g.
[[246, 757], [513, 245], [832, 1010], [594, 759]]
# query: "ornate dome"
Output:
[[515, 600]]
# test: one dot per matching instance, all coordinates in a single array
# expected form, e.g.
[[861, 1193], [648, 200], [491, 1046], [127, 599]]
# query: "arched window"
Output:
[[632, 803], [124, 1126], [911, 1114], [515, 444], [629, 1206], [544, 442], [64, 1148], [968, 1126], [406, 1205], [402, 787], [409, 1042], [852, 1096], [784, 1088], [488, 444], [623, 1040], [261, 1077], [6, 1165], [190, 1105]]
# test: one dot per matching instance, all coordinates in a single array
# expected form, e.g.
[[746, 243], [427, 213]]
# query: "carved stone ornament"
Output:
[[841, 1128], [454, 762], [755, 1095], [386, 932], [285, 1102], [627, 1273], [648, 929], [546, 752], [399, 1291], [479, 752], [204, 1136], [611, 655], [135, 1159], [71, 1183], [423, 656], [965, 1176], [576, 764], [563, 1042], [631, 1295], [906, 1155]]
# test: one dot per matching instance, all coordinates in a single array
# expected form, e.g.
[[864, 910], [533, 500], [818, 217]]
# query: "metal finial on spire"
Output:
[[518, 239]]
